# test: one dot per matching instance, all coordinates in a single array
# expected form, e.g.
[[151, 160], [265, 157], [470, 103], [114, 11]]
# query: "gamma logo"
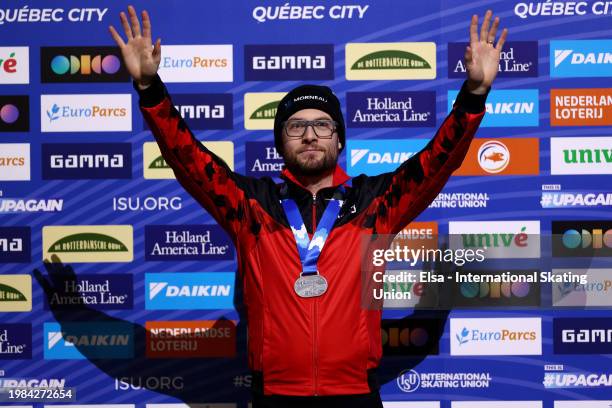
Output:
[[260, 109], [581, 58], [89, 243], [82, 64], [389, 61], [15, 244], [15, 293], [582, 238], [373, 157], [582, 336], [289, 62], [14, 113], [204, 111], [86, 161]]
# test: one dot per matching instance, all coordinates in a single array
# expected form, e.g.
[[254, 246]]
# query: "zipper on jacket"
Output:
[[315, 355]]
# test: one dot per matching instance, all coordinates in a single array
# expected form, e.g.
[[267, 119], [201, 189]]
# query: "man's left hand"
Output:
[[482, 55]]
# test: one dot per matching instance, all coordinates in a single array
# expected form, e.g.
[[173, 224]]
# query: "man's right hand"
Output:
[[140, 57]]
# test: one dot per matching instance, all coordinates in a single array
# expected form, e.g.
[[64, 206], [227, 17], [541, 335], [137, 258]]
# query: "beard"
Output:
[[311, 164]]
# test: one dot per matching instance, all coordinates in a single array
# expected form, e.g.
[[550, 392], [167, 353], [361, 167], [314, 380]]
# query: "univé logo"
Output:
[[581, 155], [14, 65], [371, 61], [82, 64]]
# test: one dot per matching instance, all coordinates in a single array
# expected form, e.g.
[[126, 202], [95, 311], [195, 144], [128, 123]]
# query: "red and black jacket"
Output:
[[309, 346]]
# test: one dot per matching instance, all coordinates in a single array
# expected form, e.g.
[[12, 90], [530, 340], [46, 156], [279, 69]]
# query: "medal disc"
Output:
[[310, 286]]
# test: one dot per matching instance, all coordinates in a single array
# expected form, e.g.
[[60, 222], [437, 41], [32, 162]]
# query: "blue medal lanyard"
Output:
[[310, 250]]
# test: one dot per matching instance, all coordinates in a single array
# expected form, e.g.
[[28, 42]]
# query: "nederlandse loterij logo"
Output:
[[89, 243], [14, 65], [197, 63], [508, 108], [289, 62], [260, 109], [200, 338], [15, 293], [86, 113], [387, 61], [581, 107], [581, 155], [155, 167], [488, 336], [82, 64], [373, 157], [581, 58]]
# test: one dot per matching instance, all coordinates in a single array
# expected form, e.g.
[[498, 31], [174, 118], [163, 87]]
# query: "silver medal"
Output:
[[310, 286]]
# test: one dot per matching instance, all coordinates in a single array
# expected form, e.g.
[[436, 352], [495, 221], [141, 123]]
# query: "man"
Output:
[[311, 343]]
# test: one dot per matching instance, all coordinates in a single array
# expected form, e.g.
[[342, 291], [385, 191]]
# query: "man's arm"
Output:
[[401, 195], [203, 174]]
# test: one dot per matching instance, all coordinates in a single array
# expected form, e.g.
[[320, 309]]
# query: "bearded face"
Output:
[[310, 155]]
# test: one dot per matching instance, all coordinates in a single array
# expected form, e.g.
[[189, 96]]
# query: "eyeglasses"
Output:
[[323, 128]]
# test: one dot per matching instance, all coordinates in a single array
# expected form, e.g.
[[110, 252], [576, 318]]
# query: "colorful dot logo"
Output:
[[9, 113], [85, 65]]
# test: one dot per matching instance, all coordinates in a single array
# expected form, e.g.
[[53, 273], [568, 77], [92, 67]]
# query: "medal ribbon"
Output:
[[310, 250]]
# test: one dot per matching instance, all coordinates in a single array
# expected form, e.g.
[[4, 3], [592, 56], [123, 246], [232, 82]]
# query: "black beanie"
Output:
[[307, 97]]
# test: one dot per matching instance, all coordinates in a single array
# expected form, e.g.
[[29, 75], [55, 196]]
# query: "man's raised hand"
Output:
[[141, 58], [482, 55]]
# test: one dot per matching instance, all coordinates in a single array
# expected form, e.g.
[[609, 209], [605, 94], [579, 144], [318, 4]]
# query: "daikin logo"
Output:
[[375, 157], [94, 340], [189, 290], [581, 58]]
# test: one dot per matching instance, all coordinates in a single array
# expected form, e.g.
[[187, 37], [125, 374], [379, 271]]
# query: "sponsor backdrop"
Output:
[[81, 178]]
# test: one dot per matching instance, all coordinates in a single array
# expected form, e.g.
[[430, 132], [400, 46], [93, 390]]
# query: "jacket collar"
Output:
[[339, 177]]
